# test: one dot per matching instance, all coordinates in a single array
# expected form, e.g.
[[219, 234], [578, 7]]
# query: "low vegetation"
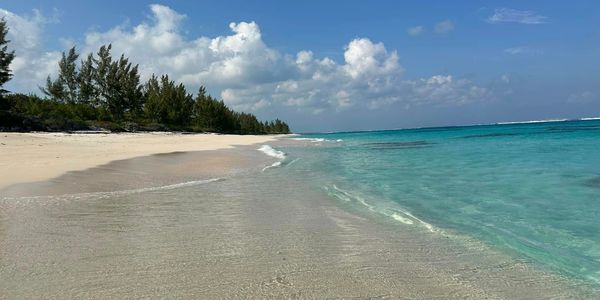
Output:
[[103, 93]]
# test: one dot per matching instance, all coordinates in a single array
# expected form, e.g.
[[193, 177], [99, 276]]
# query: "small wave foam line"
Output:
[[532, 121], [268, 150], [397, 214], [120, 192], [316, 140], [274, 165], [292, 162]]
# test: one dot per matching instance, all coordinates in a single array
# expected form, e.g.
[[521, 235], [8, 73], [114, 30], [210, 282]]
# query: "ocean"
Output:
[[530, 190]]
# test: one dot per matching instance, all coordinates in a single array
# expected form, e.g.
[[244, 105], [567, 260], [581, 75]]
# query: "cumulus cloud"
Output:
[[32, 63], [414, 31], [250, 76], [509, 15], [443, 27], [235, 60]]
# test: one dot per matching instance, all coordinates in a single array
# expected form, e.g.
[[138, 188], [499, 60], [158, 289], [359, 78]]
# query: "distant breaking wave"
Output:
[[449, 126], [548, 120], [532, 121], [317, 140]]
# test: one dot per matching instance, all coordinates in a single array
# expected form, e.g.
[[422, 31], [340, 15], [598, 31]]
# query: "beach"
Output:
[[228, 223], [28, 157]]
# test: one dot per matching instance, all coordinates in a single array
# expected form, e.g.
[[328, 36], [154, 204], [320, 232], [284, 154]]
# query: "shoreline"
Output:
[[226, 238], [40, 156]]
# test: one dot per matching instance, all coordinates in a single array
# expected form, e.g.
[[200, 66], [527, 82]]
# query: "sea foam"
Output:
[[531, 121], [273, 165], [268, 150], [316, 140], [396, 213]]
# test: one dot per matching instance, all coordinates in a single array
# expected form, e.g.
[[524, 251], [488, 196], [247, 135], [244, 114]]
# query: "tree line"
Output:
[[100, 91]]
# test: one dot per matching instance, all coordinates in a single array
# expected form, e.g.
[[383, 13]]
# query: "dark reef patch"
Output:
[[593, 182], [436, 129], [487, 135], [573, 128], [399, 145]]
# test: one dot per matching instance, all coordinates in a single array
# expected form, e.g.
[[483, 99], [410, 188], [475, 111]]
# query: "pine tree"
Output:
[[153, 106], [54, 89], [66, 87], [69, 76], [87, 89], [102, 67], [167, 102], [6, 56]]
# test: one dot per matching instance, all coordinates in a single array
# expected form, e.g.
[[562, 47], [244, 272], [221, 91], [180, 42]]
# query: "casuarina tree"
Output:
[[6, 56]]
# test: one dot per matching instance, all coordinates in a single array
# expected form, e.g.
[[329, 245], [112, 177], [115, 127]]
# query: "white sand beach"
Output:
[[27, 157]]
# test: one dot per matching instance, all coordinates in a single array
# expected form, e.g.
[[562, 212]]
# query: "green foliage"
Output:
[[213, 115], [106, 93], [87, 90], [6, 57], [122, 91], [65, 88], [101, 82], [29, 112], [276, 127], [167, 102]]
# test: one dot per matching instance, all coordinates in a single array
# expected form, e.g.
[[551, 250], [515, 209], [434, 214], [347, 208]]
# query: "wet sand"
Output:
[[104, 233]]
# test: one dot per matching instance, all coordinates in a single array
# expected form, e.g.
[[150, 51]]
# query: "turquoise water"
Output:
[[530, 190]]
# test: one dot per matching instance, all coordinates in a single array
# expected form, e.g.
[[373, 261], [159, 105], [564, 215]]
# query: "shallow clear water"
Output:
[[531, 190]]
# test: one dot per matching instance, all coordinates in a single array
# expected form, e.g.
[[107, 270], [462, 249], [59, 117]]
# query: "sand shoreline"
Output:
[[230, 239], [30, 157]]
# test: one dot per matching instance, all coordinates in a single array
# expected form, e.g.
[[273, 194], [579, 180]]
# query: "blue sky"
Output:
[[340, 65]]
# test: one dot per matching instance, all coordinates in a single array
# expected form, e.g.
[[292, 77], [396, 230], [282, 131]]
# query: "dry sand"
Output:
[[27, 157]]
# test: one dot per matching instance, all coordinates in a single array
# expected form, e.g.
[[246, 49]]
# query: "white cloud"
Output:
[[414, 31], [582, 97], [239, 59], [443, 27], [521, 50], [365, 59], [250, 76], [32, 63], [506, 15]]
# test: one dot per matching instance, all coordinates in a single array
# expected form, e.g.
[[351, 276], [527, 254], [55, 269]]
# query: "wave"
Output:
[[590, 119], [119, 192], [317, 140], [293, 161], [396, 213], [268, 150], [273, 165], [532, 121]]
